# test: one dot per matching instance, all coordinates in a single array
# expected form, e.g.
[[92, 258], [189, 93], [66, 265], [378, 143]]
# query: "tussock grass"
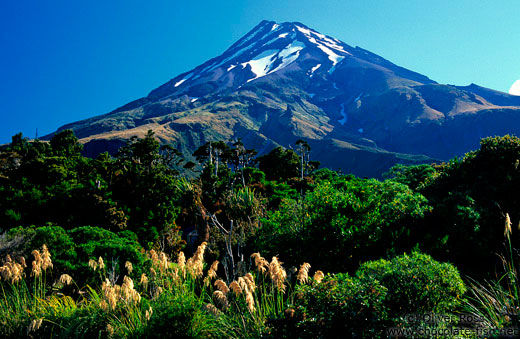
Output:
[[181, 297]]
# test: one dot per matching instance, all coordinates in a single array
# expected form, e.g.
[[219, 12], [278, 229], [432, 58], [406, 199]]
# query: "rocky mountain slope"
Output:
[[283, 82]]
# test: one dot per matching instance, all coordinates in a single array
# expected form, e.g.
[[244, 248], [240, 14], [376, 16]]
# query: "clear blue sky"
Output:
[[62, 61]]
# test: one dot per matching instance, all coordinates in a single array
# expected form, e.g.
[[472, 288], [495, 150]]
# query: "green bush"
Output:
[[339, 304], [71, 250], [417, 283], [342, 223], [377, 297], [177, 315]]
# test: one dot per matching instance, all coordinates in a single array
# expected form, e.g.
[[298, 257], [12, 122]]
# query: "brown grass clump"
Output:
[[130, 295], [211, 309], [261, 264], [93, 264], [303, 273], [195, 264], [243, 284], [277, 274], [111, 295], [65, 280], [148, 314], [163, 261], [154, 257], [318, 276], [12, 271], [221, 298], [235, 287], [250, 302], [181, 261], [36, 264], [129, 267], [222, 286], [212, 273], [110, 330], [507, 228], [158, 291], [144, 281], [250, 280], [42, 261], [46, 258], [34, 325]]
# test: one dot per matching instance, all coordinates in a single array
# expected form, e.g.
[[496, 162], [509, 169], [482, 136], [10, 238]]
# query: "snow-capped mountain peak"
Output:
[[267, 49]]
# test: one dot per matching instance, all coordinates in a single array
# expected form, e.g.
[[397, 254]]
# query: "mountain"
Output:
[[283, 82]]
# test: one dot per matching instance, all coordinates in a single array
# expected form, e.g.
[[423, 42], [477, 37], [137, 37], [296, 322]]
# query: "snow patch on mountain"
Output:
[[314, 69], [261, 63], [178, 83], [343, 120], [289, 54]]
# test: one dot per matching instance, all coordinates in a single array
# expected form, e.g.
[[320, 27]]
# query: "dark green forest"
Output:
[[146, 243]]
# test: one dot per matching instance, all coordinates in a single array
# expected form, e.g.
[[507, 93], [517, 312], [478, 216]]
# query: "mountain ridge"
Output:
[[283, 82]]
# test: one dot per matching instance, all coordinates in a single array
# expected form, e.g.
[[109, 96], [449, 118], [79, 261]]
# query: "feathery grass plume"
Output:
[[152, 272], [65, 279], [154, 257], [318, 276], [130, 295], [163, 261], [93, 264], [11, 271], [303, 273], [221, 286], [195, 264], [110, 330], [22, 262], [243, 284], [277, 274], [158, 291], [110, 297], [250, 280], [129, 267], [507, 228], [250, 301], [261, 264], [34, 325], [290, 312], [148, 313], [36, 264], [101, 263], [181, 261], [144, 281], [220, 297], [235, 287], [46, 258], [211, 309], [212, 273], [103, 305]]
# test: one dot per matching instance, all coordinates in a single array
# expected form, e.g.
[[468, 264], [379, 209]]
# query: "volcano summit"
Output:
[[283, 82]]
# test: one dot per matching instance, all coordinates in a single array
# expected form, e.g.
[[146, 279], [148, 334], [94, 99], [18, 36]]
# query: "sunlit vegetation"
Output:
[[99, 247]]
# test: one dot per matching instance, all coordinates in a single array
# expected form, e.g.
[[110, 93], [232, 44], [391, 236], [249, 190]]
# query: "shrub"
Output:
[[377, 297], [417, 283]]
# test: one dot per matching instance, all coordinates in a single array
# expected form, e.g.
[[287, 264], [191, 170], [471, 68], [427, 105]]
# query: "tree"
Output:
[[303, 149], [280, 164], [65, 143]]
